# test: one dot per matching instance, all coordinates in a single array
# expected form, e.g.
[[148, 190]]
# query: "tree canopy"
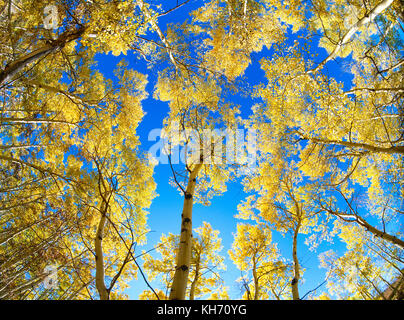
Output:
[[294, 108]]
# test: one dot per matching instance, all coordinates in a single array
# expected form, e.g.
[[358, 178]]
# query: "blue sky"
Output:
[[165, 211]]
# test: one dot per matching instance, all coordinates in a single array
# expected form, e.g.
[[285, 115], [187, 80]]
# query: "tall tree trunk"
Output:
[[296, 267], [179, 285], [99, 257]]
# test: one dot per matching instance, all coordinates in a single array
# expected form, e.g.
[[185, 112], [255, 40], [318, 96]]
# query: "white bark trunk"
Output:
[[179, 285]]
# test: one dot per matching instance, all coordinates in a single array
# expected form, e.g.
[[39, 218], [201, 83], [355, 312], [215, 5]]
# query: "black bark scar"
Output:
[[183, 268]]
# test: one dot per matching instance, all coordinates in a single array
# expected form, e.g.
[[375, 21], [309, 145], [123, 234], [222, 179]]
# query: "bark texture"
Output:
[[99, 256], [179, 285], [296, 266]]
